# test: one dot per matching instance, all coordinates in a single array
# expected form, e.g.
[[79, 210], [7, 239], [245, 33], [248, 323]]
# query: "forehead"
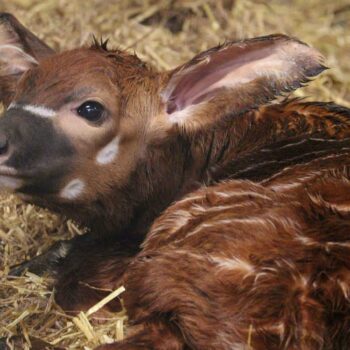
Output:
[[61, 75]]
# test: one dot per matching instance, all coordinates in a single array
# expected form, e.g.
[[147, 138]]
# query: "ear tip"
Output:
[[6, 17], [314, 63], [8, 22], [284, 40], [316, 70], [309, 60], [307, 56], [294, 40]]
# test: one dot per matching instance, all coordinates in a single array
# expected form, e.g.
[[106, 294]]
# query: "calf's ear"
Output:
[[20, 50], [236, 77]]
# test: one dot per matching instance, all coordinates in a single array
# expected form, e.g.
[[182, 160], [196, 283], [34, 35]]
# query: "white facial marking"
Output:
[[108, 153], [12, 105], [39, 111], [9, 183], [73, 189]]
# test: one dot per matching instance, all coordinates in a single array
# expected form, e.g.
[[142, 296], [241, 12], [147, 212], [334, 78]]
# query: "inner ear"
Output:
[[237, 76], [13, 33], [20, 50], [14, 61]]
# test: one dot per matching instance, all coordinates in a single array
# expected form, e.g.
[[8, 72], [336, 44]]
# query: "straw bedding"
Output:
[[165, 33]]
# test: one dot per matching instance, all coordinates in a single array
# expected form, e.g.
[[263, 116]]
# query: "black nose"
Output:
[[3, 143]]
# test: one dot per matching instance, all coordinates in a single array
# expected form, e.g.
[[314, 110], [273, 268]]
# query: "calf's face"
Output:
[[78, 123], [65, 130]]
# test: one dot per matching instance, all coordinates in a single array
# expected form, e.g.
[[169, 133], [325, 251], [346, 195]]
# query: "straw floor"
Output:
[[165, 33]]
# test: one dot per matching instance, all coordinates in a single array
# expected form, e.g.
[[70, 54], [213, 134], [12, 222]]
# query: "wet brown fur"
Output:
[[244, 263]]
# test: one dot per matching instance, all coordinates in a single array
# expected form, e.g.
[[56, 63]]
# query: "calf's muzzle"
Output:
[[34, 151]]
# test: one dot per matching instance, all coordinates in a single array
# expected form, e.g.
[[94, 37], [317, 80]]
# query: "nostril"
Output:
[[3, 144]]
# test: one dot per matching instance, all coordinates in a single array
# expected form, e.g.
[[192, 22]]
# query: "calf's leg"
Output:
[[164, 306], [84, 270], [90, 272]]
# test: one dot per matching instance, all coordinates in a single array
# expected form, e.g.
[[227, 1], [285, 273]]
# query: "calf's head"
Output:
[[78, 124]]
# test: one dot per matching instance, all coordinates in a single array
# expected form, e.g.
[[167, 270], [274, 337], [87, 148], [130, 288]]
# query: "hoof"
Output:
[[44, 264]]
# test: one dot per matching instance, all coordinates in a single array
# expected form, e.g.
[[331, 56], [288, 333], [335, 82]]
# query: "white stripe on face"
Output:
[[73, 189], [39, 111], [108, 153]]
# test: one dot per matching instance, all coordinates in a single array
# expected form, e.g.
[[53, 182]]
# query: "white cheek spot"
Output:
[[9, 183], [39, 111], [109, 152], [73, 189]]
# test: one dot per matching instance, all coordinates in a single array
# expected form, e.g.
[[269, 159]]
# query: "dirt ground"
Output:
[[165, 33]]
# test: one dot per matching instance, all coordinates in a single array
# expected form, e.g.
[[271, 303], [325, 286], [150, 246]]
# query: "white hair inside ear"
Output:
[[20, 50], [14, 60], [13, 57]]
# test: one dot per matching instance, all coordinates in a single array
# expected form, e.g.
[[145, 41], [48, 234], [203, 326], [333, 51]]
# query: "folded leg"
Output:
[[90, 272], [84, 270]]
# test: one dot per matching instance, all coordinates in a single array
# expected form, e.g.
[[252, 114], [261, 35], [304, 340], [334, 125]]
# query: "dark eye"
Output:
[[91, 111]]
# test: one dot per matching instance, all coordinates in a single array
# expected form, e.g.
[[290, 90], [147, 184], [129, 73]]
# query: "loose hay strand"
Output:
[[82, 322], [105, 301]]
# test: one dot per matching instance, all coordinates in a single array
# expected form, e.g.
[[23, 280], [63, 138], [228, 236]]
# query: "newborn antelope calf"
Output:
[[253, 254]]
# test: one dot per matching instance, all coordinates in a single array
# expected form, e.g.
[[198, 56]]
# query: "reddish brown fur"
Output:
[[242, 139], [240, 261]]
